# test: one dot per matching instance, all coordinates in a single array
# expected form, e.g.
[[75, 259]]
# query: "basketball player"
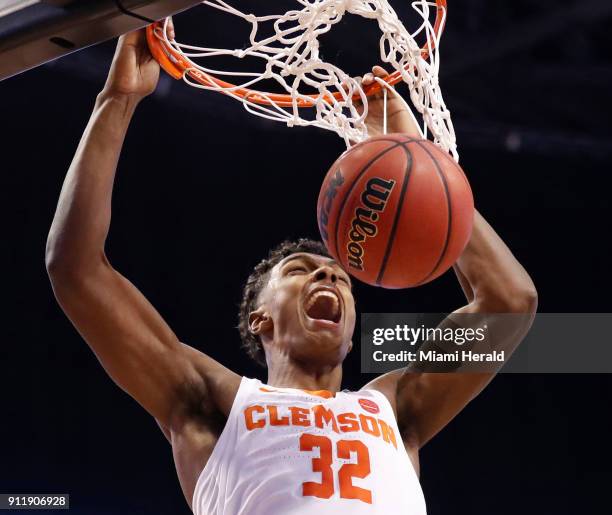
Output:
[[297, 444]]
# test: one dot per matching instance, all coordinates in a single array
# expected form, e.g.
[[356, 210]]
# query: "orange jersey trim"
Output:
[[325, 394]]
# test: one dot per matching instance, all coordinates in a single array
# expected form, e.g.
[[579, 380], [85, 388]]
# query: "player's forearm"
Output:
[[496, 280], [82, 219], [400, 119]]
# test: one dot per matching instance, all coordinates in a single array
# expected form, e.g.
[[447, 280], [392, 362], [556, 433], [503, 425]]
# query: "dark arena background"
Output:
[[204, 189]]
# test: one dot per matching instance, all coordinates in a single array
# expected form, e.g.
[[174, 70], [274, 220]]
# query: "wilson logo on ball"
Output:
[[399, 214], [363, 225], [328, 198]]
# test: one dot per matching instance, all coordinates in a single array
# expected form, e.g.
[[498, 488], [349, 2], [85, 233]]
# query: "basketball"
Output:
[[395, 211]]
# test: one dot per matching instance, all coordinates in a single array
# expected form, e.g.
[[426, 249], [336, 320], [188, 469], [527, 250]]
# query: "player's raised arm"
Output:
[[501, 295], [493, 281], [131, 340]]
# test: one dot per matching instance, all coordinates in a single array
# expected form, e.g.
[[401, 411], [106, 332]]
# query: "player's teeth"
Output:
[[321, 293]]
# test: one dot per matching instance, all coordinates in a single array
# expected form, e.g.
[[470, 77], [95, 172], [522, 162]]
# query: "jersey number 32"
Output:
[[323, 463]]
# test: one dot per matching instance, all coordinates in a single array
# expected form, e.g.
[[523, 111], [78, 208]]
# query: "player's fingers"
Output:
[[171, 33], [132, 38], [368, 79], [130, 42], [170, 29], [379, 71]]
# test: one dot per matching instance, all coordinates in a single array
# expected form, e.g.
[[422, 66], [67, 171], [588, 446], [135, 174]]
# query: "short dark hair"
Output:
[[255, 284]]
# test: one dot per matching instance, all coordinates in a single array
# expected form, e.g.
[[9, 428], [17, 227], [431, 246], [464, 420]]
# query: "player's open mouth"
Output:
[[323, 305]]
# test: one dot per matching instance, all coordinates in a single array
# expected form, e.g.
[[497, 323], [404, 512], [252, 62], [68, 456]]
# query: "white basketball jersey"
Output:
[[285, 451]]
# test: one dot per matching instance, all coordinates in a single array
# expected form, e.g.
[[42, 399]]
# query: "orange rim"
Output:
[[176, 66]]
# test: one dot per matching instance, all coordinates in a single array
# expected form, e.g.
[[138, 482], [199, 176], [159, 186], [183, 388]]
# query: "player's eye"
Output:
[[297, 270], [342, 276]]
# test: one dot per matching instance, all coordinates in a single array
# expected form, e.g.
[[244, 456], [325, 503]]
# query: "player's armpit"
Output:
[[137, 348]]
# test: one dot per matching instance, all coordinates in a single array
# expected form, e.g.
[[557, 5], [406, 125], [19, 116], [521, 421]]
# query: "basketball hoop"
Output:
[[291, 57]]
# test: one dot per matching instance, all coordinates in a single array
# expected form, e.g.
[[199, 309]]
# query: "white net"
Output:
[[291, 58]]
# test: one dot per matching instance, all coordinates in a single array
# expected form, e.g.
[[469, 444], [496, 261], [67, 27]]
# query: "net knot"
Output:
[[342, 6]]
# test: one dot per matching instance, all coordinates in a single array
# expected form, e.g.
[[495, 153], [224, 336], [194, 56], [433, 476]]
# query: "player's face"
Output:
[[311, 306]]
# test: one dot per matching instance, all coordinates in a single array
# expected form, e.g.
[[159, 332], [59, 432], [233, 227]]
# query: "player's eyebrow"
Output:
[[308, 259], [312, 262]]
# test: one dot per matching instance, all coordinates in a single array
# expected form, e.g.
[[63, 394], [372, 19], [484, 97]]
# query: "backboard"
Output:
[[33, 32]]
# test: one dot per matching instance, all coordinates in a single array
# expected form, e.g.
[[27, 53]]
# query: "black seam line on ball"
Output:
[[130, 13], [398, 212], [347, 194], [450, 214]]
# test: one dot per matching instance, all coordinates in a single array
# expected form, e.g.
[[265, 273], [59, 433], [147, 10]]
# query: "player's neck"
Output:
[[294, 375]]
